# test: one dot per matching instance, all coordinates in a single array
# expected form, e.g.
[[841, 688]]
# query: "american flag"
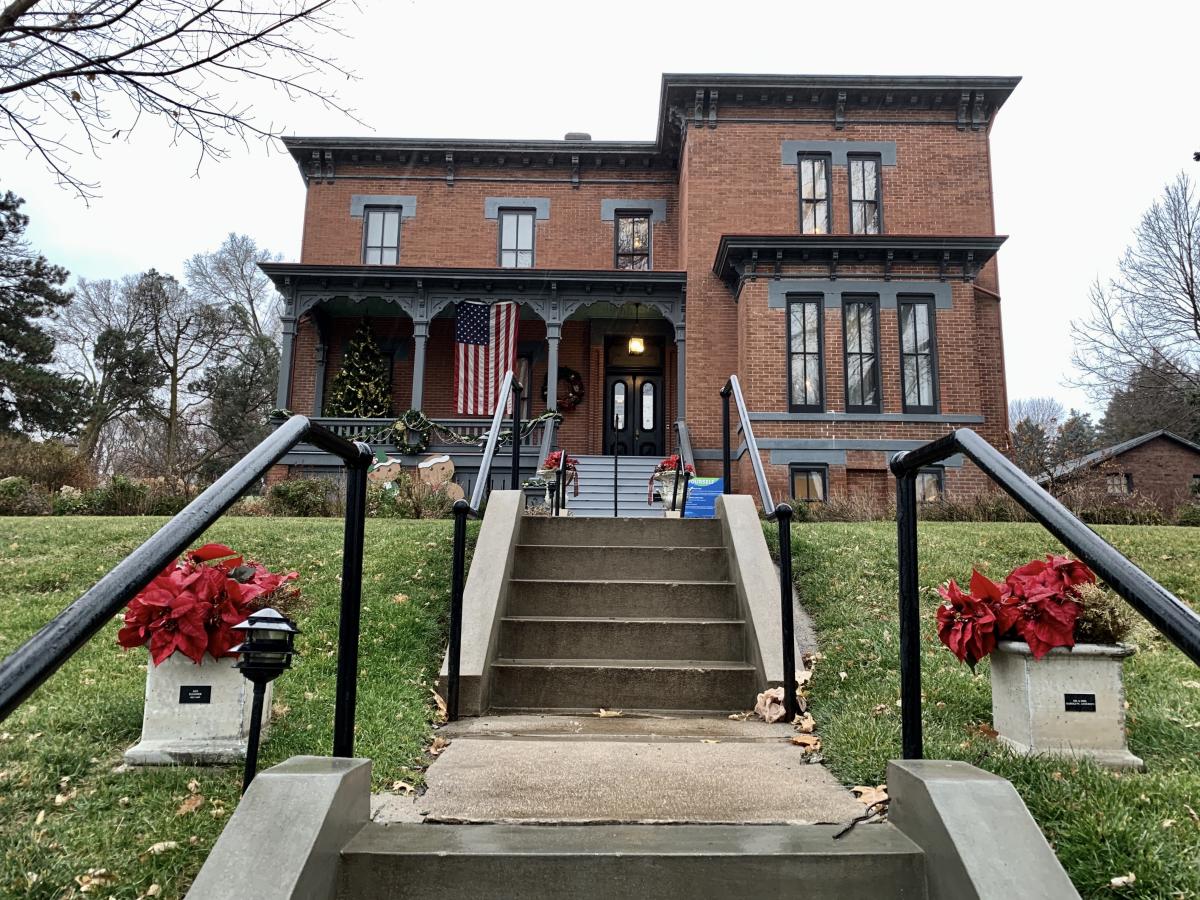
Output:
[[485, 347]]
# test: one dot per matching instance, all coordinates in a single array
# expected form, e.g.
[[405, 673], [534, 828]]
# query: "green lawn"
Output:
[[1101, 824], [63, 809]]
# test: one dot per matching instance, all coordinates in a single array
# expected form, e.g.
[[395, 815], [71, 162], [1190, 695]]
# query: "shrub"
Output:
[[1188, 515], [49, 464], [409, 498], [1105, 617], [302, 497], [251, 505], [67, 502], [122, 496], [20, 498]]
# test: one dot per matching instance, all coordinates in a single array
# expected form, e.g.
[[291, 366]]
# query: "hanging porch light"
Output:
[[637, 344]]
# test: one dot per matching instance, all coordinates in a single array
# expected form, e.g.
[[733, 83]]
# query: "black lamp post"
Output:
[[264, 654]]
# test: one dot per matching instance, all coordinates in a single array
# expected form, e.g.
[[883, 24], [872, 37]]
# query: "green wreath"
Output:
[[412, 424], [575, 390], [415, 423]]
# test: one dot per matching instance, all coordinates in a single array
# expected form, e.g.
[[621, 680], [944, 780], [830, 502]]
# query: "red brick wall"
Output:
[[1162, 470]]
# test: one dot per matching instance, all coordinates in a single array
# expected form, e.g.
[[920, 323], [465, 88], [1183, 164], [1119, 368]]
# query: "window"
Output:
[[381, 236], [1118, 483], [861, 323], [865, 209], [633, 241], [930, 483], [804, 354], [516, 238], [1195, 486], [618, 405], [918, 355], [808, 483], [648, 406], [815, 189]]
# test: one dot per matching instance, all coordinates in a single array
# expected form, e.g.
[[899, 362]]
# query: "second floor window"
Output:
[[516, 238], [814, 194], [865, 215], [918, 356], [633, 241], [381, 236], [804, 354], [862, 356]]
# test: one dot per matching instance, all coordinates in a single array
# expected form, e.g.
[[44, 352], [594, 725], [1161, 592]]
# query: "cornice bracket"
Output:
[[978, 113], [887, 265], [754, 266], [712, 109], [833, 265], [778, 264], [575, 170], [839, 111], [964, 101], [698, 113], [450, 169]]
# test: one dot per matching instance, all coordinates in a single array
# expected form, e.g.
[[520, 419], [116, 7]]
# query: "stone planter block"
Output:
[[195, 715], [1068, 703]]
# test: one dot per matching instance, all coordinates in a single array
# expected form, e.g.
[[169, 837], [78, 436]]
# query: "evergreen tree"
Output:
[[1076, 437], [32, 397], [1155, 397], [361, 390], [1031, 447]]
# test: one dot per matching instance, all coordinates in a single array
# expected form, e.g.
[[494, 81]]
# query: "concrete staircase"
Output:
[[596, 487], [631, 614]]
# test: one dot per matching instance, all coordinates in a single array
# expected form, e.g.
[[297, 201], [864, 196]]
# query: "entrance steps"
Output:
[[596, 487]]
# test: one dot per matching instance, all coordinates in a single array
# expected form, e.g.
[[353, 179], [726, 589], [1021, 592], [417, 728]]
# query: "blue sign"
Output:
[[702, 497]]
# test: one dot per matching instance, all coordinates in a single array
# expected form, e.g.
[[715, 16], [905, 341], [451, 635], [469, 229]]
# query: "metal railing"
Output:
[[684, 440], [781, 515], [560, 483], [474, 509], [373, 430], [44, 653], [1162, 609]]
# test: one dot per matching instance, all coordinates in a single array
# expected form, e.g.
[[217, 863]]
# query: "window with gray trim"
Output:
[[381, 235], [815, 189], [930, 484], [809, 483], [516, 238], [633, 240], [805, 389], [866, 210], [860, 317], [918, 354]]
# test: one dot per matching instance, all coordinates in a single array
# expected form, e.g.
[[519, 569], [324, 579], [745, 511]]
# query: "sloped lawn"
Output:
[[65, 812], [1102, 824]]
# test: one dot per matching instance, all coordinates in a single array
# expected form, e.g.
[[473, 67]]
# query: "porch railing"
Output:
[[1162, 609], [781, 515], [44, 653], [374, 430]]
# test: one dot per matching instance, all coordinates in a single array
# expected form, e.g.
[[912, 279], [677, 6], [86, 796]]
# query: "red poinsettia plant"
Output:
[[1036, 603], [192, 605], [667, 466], [554, 460]]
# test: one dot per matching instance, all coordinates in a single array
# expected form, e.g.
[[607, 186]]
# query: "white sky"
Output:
[[1106, 114]]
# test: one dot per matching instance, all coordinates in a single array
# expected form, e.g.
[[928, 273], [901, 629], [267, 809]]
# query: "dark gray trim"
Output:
[[610, 207], [838, 150], [917, 418], [798, 466], [407, 203], [801, 200], [813, 457], [493, 205], [887, 291], [878, 200]]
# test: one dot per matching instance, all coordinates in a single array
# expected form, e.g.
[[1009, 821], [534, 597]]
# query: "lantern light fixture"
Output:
[[264, 654], [637, 344]]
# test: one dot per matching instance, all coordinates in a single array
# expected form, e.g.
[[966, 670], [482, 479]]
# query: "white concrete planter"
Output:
[[195, 714], [550, 476], [1068, 703], [666, 491]]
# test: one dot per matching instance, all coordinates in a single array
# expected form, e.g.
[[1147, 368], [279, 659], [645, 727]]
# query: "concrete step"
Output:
[[605, 511], [589, 862], [547, 637], [622, 532], [662, 599], [598, 562], [627, 684]]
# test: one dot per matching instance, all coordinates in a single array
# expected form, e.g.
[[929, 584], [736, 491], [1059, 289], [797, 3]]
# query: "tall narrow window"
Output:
[[633, 241], [805, 392], [516, 238], [815, 189], [381, 236], [862, 355], [865, 209], [647, 406], [618, 405], [918, 355]]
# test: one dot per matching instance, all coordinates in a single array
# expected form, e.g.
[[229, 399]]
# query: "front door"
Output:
[[633, 410]]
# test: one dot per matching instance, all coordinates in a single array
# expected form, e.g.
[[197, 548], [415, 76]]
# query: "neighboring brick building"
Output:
[[1159, 465], [782, 228]]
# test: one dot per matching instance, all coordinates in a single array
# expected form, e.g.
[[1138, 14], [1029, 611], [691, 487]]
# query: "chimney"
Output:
[[577, 136]]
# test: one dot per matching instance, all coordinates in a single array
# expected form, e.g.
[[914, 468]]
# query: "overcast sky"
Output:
[[1107, 113]]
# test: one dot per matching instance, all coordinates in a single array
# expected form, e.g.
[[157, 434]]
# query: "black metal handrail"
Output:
[[685, 443], [560, 483], [44, 653], [1162, 609], [781, 514], [681, 474], [474, 509]]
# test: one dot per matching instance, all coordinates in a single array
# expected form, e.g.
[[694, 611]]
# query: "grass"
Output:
[[67, 809], [1102, 824]]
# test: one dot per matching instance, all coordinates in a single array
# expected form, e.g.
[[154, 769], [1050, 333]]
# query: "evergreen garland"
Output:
[[361, 390]]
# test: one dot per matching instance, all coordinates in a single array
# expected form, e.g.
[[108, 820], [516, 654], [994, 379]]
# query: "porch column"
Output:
[[322, 355], [553, 333], [420, 336], [680, 372], [288, 329]]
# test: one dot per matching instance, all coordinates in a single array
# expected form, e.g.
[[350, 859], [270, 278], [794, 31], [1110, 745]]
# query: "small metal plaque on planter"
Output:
[[197, 693], [1080, 702]]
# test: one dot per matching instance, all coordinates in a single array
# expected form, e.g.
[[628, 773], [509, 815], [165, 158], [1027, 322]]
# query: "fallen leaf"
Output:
[[94, 880], [842, 675], [190, 805], [279, 710], [869, 796], [1192, 813], [309, 695], [742, 716], [400, 598], [805, 723], [1194, 685], [708, 741], [162, 847], [609, 713], [879, 710], [1167, 823], [809, 743], [1123, 880], [60, 799], [441, 704], [124, 801], [403, 787], [439, 744], [153, 891], [985, 730], [803, 677], [40, 818], [193, 786]]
